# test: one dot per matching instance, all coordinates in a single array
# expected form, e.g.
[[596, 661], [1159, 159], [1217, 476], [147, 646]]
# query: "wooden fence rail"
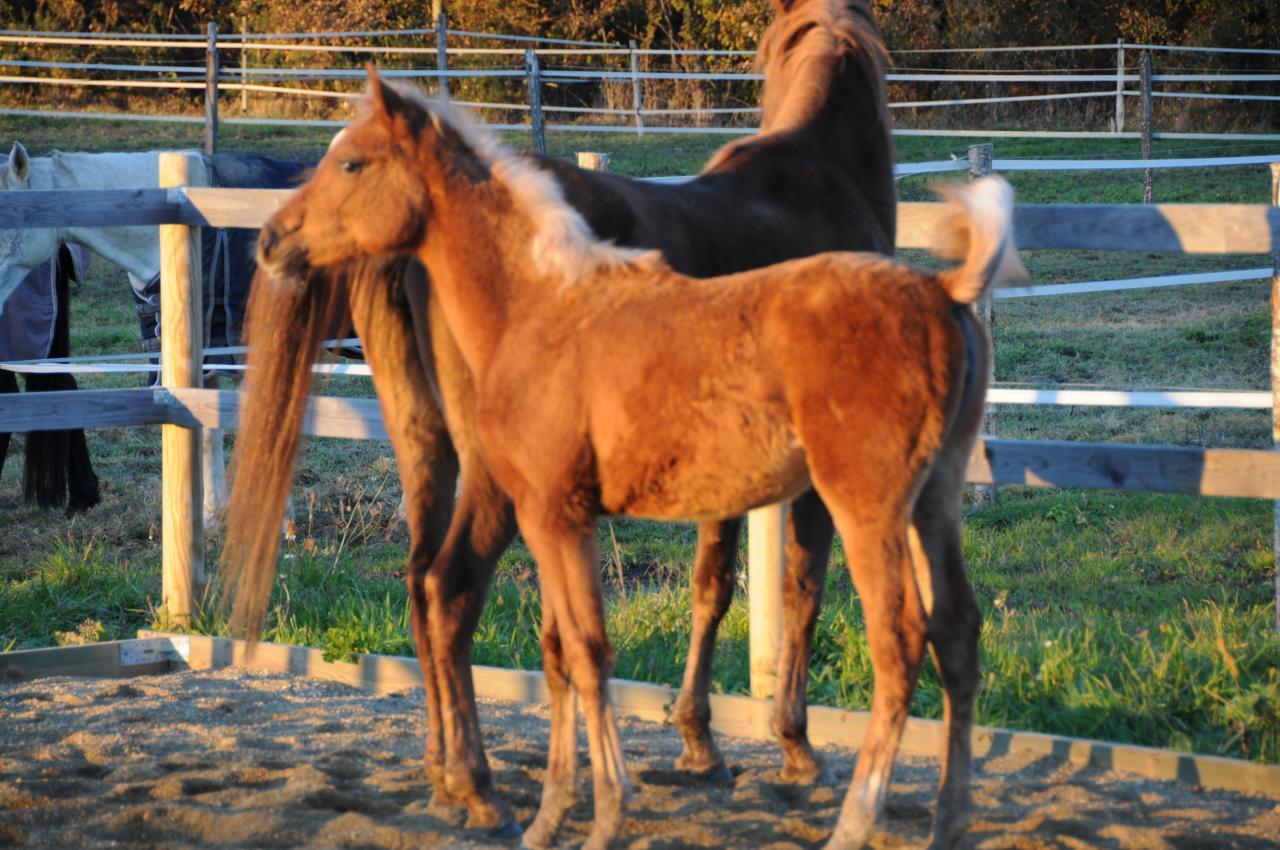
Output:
[[1185, 228], [1188, 228], [1251, 473]]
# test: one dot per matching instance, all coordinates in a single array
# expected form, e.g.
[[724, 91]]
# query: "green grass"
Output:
[[1130, 617]]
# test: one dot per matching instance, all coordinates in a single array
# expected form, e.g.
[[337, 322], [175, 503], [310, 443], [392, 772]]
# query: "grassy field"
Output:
[[1137, 618]]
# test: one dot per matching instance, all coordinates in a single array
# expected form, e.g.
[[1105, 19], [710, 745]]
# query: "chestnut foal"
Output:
[[606, 383], [817, 177]]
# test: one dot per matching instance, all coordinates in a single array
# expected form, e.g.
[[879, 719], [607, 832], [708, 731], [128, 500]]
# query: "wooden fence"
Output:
[[182, 409]]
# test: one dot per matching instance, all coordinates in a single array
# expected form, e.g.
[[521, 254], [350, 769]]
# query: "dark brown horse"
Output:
[[818, 177], [607, 383]]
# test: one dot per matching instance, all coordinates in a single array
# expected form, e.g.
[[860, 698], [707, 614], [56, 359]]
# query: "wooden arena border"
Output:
[[156, 652]]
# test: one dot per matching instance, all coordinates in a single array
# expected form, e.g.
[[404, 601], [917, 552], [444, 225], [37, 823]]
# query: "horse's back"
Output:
[[251, 171]]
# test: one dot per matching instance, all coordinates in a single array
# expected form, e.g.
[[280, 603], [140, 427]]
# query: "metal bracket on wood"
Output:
[[134, 653]]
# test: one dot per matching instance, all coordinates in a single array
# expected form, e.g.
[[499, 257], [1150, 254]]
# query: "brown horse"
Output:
[[607, 383], [818, 177]]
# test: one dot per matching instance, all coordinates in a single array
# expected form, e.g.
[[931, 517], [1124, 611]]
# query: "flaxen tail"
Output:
[[978, 228], [286, 322]]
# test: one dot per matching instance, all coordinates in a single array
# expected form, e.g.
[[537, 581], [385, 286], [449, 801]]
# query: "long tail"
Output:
[[286, 321], [44, 481], [978, 227]]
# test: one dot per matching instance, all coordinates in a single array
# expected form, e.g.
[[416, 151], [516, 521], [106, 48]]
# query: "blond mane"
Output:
[[563, 246]]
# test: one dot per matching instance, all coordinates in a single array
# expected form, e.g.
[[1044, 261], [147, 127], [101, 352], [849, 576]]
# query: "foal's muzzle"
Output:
[[278, 256]]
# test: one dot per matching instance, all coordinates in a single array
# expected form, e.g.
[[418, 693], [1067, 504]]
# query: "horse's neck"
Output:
[[135, 249], [849, 130], [476, 267]]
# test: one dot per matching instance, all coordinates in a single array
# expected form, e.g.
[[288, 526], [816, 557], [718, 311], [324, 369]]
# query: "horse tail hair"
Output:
[[978, 227], [286, 322]]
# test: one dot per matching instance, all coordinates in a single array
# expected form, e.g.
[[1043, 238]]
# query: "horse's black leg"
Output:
[[82, 482], [8, 384], [44, 480]]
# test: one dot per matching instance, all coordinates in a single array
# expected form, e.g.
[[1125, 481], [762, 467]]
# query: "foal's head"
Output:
[[371, 192], [397, 169]]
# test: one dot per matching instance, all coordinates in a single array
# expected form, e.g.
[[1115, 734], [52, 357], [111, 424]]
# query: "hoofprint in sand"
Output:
[[236, 758]]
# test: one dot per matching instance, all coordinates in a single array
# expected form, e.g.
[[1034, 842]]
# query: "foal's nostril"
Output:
[[267, 239]]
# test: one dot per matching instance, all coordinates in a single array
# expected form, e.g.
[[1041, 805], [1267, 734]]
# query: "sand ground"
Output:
[[229, 758]]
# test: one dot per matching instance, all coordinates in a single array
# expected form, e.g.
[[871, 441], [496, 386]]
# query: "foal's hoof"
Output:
[[709, 767], [492, 817], [539, 836], [447, 809], [813, 773]]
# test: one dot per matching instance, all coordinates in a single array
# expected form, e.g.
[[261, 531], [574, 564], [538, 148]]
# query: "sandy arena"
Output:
[[234, 759]]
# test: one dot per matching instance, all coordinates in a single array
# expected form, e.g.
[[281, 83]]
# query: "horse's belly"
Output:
[[699, 478]]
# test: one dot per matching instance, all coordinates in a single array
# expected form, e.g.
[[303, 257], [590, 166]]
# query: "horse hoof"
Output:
[[443, 807], [510, 829], [539, 836], [710, 768], [809, 774]]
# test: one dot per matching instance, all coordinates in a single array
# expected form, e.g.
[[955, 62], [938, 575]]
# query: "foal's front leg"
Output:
[[569, 574]]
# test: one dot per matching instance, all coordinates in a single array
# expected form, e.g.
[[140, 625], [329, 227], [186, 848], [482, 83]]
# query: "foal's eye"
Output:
[[350, 166]]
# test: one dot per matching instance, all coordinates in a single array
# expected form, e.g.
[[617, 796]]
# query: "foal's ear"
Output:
[[784, 6], [387, 102], [377, 90], [19, 163]]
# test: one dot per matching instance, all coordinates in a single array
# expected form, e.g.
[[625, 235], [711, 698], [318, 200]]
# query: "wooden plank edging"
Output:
[[106, 659], [741, 716]]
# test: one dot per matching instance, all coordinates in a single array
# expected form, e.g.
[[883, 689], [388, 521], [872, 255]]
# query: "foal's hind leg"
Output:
[[809, 537], [875, 539], [713, 577], [954, 626]]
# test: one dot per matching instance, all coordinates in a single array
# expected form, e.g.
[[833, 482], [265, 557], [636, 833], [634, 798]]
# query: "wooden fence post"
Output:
[[766, 560], [1148, 127], [1119, 120], [211, 92], [181, 344], [534, 71], [593, 160], [1275, 380], [637, 100], [980, 158], [442, 48]]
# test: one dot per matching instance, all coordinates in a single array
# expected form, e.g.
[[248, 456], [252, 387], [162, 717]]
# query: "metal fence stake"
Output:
[[637, 101], [442, 48], [1275, 382], [980, 158], [1148, 127], [534, 71], [1119, 120], [211, 92]]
